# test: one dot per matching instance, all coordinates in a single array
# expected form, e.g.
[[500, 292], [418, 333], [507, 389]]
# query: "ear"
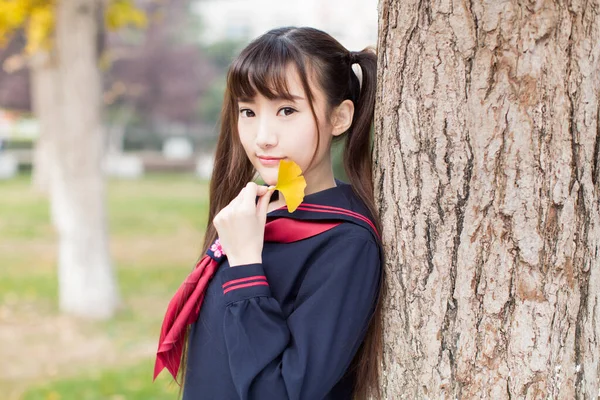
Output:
[[342, 117]]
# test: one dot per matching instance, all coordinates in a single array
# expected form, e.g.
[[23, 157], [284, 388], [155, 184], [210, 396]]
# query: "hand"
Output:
[[241, 225]]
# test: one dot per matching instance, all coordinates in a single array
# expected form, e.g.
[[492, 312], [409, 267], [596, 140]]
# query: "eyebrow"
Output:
[[251, 100]]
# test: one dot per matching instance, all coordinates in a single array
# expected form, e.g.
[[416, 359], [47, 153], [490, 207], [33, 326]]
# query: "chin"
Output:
[[270, 181], [268, 177]]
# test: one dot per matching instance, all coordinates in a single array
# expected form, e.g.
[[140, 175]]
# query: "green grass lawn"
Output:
[[156, 227], [128, 382]]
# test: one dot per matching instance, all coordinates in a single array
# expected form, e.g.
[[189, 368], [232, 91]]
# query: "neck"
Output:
[[320, 183], [320, 177]]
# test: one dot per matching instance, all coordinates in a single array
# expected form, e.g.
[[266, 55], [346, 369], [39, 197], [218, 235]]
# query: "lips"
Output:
[[269, 161]]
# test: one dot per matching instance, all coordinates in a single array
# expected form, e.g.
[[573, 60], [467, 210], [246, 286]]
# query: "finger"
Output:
[[251, 187], [263, 203], [237, 199], [261, 190], [249, 196]]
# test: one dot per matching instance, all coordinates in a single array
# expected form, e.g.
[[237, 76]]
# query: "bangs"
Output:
[[262, 68]]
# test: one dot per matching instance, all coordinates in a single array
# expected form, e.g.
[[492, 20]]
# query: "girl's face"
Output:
[[272, 130]]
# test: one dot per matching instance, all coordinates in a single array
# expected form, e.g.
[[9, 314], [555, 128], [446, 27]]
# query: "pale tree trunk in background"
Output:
[[488, 180], [86, 280], [45, 92]]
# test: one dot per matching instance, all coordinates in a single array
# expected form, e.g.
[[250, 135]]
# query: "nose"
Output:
[[266, 136]]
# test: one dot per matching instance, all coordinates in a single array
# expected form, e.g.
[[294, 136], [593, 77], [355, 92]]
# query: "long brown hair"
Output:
[[262, 67]]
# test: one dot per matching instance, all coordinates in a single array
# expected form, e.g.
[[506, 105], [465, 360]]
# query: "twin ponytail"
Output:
[[357, 151], [357, 164]]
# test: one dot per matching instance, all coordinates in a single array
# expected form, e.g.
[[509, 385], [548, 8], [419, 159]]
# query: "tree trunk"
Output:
[[45, 92], [86, 279], [487, 175]]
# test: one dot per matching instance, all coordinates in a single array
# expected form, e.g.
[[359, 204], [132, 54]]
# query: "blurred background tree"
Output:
[[63, 41]]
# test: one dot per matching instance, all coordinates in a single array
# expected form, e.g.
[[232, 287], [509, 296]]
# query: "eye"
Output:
[[287, 111], [246, 113]]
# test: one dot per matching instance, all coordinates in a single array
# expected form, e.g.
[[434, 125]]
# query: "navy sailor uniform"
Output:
[[289, 328]]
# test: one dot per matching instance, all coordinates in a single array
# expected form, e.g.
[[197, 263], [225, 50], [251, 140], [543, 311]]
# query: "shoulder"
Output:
[[347, 258], [351, 199], [347, 243], [349, 232], [355, 204]]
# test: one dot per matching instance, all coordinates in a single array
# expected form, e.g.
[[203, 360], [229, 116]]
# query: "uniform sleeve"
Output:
[[304, 356]]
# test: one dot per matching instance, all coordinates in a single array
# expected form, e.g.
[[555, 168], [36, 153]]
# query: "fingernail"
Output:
[[271, 187]]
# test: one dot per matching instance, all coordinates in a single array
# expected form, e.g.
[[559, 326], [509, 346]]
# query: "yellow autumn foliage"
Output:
[[37, 19], [13, 14], [121, 13], [40, 27]]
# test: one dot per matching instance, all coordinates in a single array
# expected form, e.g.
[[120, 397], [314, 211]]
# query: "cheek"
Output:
[[308, 133], [244, 137], [305, 144]]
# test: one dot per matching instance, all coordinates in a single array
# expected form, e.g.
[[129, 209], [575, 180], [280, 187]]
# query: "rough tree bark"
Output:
[[87, 286], [488, 180]]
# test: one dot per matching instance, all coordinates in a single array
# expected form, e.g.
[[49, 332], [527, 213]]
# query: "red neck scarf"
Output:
[[184, 308]]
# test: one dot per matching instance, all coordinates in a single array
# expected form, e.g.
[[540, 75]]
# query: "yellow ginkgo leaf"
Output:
[[291, 184]]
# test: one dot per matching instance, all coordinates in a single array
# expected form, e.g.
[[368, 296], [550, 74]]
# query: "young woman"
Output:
[[285, 304]]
